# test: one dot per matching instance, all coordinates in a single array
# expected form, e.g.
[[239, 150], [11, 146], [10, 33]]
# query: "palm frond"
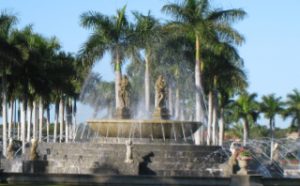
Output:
[[94, 20], [227, 33], [228, 16], [94, 48]]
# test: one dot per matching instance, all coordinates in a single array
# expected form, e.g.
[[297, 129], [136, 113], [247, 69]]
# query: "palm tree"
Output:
[[109, 34], [223, 72], [9, 54], [61, 73], [146, 34], [29, 74], [293, 108], [271, 106], [195, 19], [246, 108]]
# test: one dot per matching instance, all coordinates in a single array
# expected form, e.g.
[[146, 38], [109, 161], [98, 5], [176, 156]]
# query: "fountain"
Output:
[[172, 157], [160, 127]]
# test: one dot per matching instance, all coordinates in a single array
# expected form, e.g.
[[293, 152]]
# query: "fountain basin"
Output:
[[130, 128]]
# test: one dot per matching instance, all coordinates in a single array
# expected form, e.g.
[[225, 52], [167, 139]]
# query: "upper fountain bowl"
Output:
[[153, 128]]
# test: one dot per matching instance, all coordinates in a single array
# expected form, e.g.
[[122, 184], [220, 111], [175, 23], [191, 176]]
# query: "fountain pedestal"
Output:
[[123, 113], [161, 113]]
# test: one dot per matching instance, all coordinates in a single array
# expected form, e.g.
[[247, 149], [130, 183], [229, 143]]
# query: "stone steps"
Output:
[[149, 159]]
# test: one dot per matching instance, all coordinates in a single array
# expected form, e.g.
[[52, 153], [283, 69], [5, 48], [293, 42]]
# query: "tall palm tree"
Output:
[[147, 33], [195, 19], [30, 76], [246, 108], [9, 54], [232, 82], [109, 34], [61, 73], [293, 108], [223, 72], [271, 106]]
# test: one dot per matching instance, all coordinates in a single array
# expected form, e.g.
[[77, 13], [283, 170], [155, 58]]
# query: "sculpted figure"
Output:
[[129, 157], [275, 152], [33, 149], [231, 166], [124, 92], [10, 150], [160, 89]]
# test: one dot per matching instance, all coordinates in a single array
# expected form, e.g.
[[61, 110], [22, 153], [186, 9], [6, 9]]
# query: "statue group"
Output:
[[160, 112]]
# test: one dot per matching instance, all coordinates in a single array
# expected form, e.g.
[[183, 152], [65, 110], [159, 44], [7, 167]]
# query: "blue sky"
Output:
[[271, 29]]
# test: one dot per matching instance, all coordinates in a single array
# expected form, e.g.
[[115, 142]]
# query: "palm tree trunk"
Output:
[[118, 75], [221, 131], [210, 114], [41, 114], [177, 103], [170, 97], [246, 131], [11, 118], [298, 128], [35, 119], [199, 96], [147, 83], [15, 119], [271, 128], [74, 111], [29, 119], [4, 113], [23, 121], [19, 121], [56, 121], [61, 116], [48, 122], [272, 137], [69, 118], [215, 118]]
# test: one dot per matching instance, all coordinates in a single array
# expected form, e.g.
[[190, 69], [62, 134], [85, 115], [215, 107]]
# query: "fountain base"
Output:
[[161, 113], [152, 129]]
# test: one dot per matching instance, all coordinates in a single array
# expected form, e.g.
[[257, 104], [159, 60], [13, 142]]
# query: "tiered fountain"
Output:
[[160, 127]]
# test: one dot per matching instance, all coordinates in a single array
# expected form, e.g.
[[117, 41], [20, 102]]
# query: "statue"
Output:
[[275, 153], [160, 92], [160, 112], [33, 149], [123, 111], [230, 167], [124, 92], [129, 158], [10, 150]]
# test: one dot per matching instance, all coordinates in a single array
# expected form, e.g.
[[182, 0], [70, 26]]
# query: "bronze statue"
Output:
[[161, 111], [160, 89], [123, 111], [124, 92]]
